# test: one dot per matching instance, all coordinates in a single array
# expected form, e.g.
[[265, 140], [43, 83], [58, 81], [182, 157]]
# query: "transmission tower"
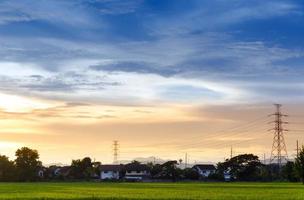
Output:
[[115, 151], [278, 152]]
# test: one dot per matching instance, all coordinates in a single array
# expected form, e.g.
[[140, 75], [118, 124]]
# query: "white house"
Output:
[[227, 176], [137, 172], [41, 172], [204, 170], [111, 172]]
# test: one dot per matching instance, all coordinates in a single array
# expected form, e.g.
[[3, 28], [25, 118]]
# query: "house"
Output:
[[59, 172], [111, 172], [137, 172], [227, 176], [41, 172], [204, 170]]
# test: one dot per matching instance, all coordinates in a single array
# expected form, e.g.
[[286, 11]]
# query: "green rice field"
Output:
[[206, 191]]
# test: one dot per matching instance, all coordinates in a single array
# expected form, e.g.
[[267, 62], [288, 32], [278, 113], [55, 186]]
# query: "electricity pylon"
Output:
[[278, 152]]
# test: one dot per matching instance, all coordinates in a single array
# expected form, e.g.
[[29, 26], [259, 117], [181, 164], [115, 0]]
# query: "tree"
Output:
[[27, 163], [245, 167], [135, 162], [190, 174], [96, 168], [7, 169], [82, 169], [289, 172], [170, 170], [88, 170], [299, 165], [266, 173], [155, 169], [76, 169]]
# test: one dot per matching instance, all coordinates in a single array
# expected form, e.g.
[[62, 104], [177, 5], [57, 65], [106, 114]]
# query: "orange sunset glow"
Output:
[[162, 79]]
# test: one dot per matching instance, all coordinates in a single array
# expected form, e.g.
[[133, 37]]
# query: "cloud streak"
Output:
[[119, 68]]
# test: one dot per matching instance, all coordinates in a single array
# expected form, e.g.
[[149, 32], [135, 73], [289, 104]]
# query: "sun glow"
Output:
[[13, 103], [5, 145]]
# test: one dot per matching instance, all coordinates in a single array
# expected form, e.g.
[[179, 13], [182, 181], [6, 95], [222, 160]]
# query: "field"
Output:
[[210, 191]]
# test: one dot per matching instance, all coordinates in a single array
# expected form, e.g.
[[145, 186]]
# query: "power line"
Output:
[[208, 142], [218, 143], [278, 152], [296, 130], [225, 144], [222, 135], [297, 116], [250, 126], [217, 133]]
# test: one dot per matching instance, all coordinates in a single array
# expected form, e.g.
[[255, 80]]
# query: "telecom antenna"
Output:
[[278, 152], [115, 151]]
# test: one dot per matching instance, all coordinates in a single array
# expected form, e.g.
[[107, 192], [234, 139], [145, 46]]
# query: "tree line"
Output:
[[26, 167], [245, 167]]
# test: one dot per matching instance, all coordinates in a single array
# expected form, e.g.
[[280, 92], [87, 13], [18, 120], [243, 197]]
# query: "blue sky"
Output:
[[251, 46], [178, 55]]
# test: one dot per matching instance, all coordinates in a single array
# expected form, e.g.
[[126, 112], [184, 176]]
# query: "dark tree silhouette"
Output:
[[155, 169], [245, 167], [170, 170], [7, 169], [190, 174], [289, 172], [82, 169], [135, 162], [27, 164], [300, 164]]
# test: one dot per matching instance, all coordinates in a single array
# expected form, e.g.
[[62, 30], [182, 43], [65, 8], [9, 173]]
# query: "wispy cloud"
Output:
[[219, 15], [114, 7], [87, 71], [55, 12], [188, 51]]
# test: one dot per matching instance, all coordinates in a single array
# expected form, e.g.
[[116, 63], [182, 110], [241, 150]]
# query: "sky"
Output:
[[162, 77]]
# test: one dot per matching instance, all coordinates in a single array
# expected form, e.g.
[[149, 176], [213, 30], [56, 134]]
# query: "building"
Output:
[[204, 170], [137, 172], [42, 172], [111, 172], [60, 172], [227, 176]]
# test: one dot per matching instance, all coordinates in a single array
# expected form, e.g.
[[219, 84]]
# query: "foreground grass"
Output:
[[204, 191]]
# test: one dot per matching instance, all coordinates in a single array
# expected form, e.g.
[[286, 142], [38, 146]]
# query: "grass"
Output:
[[204, 191]]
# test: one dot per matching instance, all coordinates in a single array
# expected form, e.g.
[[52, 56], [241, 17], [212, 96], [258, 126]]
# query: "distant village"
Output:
[[135, 171], [244, 167]]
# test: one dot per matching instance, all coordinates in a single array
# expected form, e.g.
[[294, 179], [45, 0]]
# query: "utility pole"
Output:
[[115, 151], [264, 159], [186, 160], [278, 152], [297, 148], [231, 152]]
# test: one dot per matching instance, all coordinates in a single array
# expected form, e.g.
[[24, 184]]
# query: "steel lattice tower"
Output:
[[278, 152], [115, 151]]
